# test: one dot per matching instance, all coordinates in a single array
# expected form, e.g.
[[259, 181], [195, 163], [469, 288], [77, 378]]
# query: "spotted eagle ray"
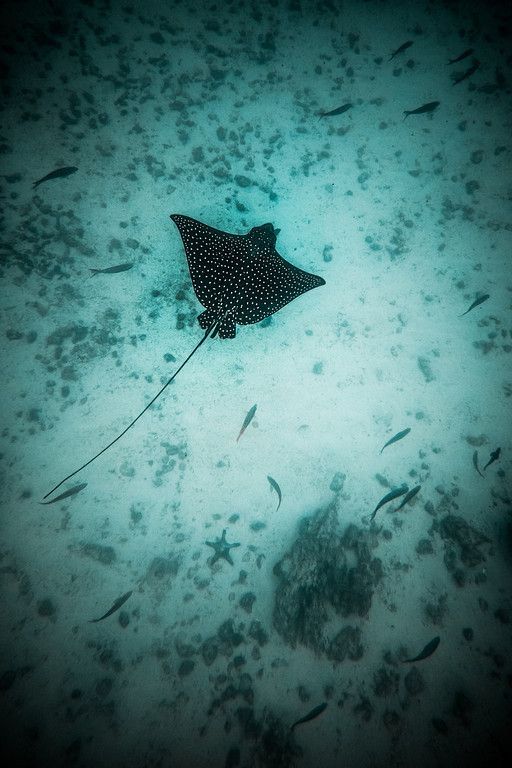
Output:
[[238, 279]]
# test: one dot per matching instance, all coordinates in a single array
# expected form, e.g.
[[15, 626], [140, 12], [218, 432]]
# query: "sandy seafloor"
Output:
[[212, 111]]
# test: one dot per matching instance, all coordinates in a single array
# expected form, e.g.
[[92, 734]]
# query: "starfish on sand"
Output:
[[221, 548]]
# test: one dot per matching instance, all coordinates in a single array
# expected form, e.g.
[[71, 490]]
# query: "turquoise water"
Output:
[[213, 111]]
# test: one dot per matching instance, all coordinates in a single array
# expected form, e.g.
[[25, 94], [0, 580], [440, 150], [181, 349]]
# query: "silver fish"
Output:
[[401, 49], [112, 270], [70, 492], [311, 715], [276, 488], [494, 457], [57, 174], [467, 73], [247, 421], [393, 494], [479, 300], [115, 607], [429, 107], [475, 463], [337, 111], [462, 56], [427, 651], [408, 496], [396, 438]]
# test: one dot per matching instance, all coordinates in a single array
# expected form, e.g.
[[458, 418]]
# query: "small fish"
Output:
[[276, 488], [402, 48], [247, 421], [429, 107], [462, 56], [337, 111], [393, 494], [479, 300], [112, 270], [70, 492], [494, 457], [115, 607], [311, 715], [467, 73], [408, 496], [57, 174], [475, 463], [427, 651], [396, 438]]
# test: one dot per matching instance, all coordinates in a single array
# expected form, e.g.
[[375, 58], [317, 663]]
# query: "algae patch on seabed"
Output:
[[327, 572], [102, 554], [161, 573], [463, 545]]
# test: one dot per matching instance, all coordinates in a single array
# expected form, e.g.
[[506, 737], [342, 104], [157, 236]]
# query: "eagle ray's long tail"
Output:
[[209, 330]]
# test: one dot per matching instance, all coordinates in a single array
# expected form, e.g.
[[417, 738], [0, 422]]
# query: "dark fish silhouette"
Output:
[[337, 111], [395, 493], [408, 496], [396, 438], [112, 270], [476, 303], [429, 107], [475, 463], [115, 607], [310, 715], [247, 421], [70, 492], [494, 457], [239, 279], [276, 488], [57, 174], [401, 49], [427, 651], [462, 56], [467, 73]]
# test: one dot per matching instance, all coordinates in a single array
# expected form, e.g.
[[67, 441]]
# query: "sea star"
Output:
[[221, 548]]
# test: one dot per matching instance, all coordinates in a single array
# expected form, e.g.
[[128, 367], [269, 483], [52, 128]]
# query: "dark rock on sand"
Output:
[[468, 540], [413, 682], [102, 554], [247, 600], [274, 745], [256, 632], [385, 682], [327, 571], [424, 547], [346, 643], [462, 707], [186, 667], [209, 650]]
